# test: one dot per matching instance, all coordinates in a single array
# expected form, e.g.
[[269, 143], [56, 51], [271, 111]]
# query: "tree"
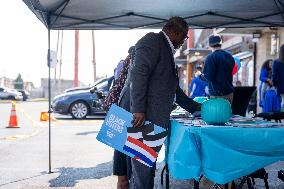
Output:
[[19, 83]]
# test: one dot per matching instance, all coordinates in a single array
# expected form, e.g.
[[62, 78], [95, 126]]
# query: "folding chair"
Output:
[[281, 175], [166, 168], [260, 174], [276, 116]]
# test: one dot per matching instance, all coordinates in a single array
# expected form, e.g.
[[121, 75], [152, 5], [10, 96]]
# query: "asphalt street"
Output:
[[78, 160]]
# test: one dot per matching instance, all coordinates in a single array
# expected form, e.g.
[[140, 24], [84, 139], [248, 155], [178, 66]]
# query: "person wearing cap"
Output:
[[218, 70]]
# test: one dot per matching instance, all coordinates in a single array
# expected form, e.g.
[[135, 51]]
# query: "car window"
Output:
[[98, 82], [103, 86], [110, 83], [1, 89]]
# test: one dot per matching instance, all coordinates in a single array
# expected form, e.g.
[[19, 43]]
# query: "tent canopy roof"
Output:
[[130, 14]]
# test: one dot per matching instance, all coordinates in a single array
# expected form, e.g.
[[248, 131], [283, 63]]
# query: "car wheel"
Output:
[[79, 110]]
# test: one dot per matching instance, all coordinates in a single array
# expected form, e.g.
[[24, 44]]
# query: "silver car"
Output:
[[10, 94]]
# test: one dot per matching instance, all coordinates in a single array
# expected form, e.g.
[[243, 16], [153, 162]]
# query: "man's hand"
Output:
[[138, 119]]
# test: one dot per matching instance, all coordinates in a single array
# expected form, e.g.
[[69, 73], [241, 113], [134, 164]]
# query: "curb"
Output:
[[38, 100], [29, 100], [7, 101]]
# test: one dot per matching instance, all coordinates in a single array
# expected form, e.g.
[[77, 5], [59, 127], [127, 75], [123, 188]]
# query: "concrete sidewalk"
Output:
[[78, 159]]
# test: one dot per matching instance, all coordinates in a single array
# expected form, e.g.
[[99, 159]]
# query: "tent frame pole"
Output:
[[49, 98]]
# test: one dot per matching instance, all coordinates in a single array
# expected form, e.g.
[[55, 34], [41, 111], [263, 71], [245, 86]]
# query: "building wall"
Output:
[[281, 35], [230, 41], [188, 66], [202, 41], [189, 77], [183, 78], [7, 82], [55, 89]]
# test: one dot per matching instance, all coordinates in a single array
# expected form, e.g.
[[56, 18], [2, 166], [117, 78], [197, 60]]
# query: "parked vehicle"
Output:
[[104, 81], [25, 94], [10, 94], [80, 103]]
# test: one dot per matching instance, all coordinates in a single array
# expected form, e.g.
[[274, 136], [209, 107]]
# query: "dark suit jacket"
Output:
[[152, 82]]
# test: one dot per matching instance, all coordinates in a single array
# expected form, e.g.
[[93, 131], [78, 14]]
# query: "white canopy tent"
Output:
[[132, 14]]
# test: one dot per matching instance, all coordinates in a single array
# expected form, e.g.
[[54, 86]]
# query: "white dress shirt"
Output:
[[170, 43]]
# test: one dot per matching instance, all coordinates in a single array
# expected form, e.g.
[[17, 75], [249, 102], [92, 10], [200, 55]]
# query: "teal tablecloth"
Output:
[[222, 153]]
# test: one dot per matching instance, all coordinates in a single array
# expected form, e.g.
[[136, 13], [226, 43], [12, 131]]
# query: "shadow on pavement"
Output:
[[87, 133], [69, 176]]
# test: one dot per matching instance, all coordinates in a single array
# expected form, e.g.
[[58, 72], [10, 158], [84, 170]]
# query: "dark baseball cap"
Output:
[[215, 40]]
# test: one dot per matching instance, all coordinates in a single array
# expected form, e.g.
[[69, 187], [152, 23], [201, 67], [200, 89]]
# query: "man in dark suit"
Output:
[[152, 87]]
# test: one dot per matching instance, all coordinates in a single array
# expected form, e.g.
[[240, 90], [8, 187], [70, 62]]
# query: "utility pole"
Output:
[[55, 69], [75, 84], [94, 55], [60, 63]]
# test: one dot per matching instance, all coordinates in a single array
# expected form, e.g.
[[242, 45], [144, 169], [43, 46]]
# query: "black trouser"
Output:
[[121, 164]]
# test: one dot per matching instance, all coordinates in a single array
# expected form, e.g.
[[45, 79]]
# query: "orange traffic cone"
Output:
[[44, 116], [13, 123]]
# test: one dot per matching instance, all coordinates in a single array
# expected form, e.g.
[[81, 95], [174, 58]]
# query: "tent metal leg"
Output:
[[167, 177], [227, 186], [162, 175], [49, 104], [196, 185]]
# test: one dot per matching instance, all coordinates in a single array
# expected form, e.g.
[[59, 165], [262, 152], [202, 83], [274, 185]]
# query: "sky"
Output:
[[23, 47]]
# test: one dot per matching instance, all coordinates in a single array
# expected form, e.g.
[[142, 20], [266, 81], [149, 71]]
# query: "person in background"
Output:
[[118, 69], [121, 164], [197, 86], [271, 101], [120, 78], [152, 87], [218, 70], [278, 75], [265, 80]]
